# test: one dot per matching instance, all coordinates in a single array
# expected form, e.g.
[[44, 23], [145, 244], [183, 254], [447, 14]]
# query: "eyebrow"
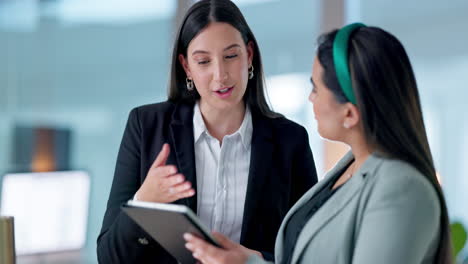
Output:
[[206, 52], [312, 81]]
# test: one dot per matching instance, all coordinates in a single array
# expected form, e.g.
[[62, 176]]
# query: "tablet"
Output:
[[167, 223]]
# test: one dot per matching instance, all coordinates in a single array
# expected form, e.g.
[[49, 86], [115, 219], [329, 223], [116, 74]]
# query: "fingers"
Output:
[[164, 171], [163, 182], [175, 180], [177, 187], [162, 156], [180, 188], [228, 244], [224, 241], [202, 250], [185, 194]]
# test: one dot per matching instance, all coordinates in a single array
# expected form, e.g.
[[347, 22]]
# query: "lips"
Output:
[[224, 92], [224, 89]]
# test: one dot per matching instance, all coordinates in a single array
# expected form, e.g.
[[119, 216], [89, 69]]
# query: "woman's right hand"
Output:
[[163, 184], [230, 252]]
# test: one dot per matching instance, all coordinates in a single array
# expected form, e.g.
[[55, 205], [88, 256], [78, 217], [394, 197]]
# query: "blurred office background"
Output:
[[71, 70]]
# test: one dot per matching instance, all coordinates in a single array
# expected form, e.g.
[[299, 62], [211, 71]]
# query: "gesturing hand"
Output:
[[163, 184]]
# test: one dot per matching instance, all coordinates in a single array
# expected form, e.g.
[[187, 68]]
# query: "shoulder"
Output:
[[154, 109], [163, 111], [150, 116], [288, 135], [398, 180], [284, 128], [394, 171]]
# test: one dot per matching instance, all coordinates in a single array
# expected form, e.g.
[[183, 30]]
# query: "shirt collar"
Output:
[[198, 123], [245, 130]]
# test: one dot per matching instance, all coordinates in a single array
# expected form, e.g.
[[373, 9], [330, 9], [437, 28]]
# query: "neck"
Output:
[[220, 123], [361, 151]]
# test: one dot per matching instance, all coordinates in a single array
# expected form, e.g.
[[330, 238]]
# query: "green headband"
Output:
[[340, 59]]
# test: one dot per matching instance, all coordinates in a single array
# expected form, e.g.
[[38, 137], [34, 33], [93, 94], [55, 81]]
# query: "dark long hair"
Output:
[[388, 101], [199, 16]]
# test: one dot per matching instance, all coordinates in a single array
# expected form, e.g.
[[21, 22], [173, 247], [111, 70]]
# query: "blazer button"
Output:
[[143, 241]]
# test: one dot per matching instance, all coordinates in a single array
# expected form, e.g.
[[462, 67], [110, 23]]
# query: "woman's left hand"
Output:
[[209, 254]]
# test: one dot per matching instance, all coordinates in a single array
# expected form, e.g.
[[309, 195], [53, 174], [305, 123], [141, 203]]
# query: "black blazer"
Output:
[[281, 170]]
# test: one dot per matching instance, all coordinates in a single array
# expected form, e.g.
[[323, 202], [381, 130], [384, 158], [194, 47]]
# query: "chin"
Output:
[[330, 136], [227, 104], [323, 134]]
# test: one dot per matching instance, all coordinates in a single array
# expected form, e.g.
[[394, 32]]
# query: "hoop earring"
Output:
[[251, 72], [189, 83]]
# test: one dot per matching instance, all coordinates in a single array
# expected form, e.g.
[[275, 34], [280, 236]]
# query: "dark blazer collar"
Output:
[[183, 113], [181, 133], [262, 148]]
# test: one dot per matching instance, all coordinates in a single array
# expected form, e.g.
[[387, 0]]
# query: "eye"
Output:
[[203, 62], [231, 56]]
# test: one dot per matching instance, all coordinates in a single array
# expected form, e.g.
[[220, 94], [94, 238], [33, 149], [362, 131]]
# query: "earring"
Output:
[[189, 83], [345, 125], [251, 73]]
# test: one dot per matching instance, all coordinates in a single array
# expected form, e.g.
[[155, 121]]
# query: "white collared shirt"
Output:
[[222, 175]]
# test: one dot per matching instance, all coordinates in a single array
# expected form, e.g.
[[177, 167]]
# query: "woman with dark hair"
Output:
[[214, 146], [381, 203]]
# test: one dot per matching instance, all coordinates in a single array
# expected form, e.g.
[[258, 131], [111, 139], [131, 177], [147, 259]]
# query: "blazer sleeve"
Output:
[[120, 240], [401, 221], [304, 171], [254, 259]]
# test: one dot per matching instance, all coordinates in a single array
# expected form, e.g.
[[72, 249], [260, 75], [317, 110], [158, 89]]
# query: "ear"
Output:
[[352, 116], [250, 52], [183, 61]]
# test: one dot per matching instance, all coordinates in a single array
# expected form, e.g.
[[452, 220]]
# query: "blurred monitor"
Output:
[[50, 210]]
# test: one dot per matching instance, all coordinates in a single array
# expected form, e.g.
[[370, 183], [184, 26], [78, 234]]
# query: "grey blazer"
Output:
[[386, 213]]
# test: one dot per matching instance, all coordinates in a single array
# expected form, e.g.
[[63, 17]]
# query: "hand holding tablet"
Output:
[[167, 223]]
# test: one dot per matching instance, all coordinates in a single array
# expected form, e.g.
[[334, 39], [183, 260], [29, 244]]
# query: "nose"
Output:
[[220, 71], [312, 97]]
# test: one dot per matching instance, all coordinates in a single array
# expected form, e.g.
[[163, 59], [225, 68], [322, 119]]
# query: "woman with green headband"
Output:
[[381, 203]]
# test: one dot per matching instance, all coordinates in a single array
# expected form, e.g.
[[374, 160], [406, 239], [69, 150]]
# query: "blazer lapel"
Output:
[[260, 166], [335, 204], [181, 130], [305, 198]]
